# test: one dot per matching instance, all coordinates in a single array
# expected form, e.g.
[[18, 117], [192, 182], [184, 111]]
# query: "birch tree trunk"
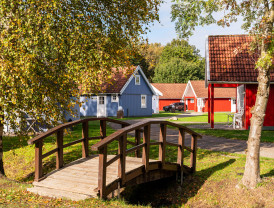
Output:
[[264, 65], [2, 172]]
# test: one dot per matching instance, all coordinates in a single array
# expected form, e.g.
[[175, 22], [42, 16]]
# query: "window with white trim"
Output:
[[143, 101], [101, 100], [191, 100], [114, 98], [137, 79]]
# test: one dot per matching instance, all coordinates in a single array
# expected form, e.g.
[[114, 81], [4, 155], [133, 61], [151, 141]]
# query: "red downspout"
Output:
[[212, 106], [208, 103]]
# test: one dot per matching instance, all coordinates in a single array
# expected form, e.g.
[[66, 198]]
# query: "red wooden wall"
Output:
[[251, 91], [165, 102], [191, 106], [220, 105]]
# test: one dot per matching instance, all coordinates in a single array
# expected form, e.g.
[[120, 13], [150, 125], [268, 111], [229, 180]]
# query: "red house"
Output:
[[172, 93], [230, 64], [196, 97]]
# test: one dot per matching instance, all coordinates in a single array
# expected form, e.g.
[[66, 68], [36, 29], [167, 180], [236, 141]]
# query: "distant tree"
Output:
[[258, 19], [179, 62], [49, 48], [148, 56]]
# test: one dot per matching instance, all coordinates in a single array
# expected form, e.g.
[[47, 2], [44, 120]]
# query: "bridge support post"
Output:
[[180, 155], [146, 139], [122, 159], [162, 146], [193, 153], [38, 160], [85, 139], [59, 156], [102, 171]]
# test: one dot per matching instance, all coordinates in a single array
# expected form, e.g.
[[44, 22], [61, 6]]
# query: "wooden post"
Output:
[[181, 142], [122, 160], [38, 160], [162, 146], [146, 140], [193, 153], [59, 154], [85, 141], [103, 128], [137, 141], [212, 106], [102, 172], [208, 103]]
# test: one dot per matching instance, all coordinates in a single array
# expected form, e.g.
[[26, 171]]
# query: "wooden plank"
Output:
[[154, 165], [113, 159], [85, 139], [49, 153], [146, 140], [172, 144], [171, 166], [38, 160], [72, 143], [60, 153], [134, 173], [187, 148], [162, 146], [193, 154], [134, 148], [132, 143], [95, 138]]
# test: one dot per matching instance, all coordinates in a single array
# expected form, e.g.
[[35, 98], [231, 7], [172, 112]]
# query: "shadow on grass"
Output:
[[269, 174], [167, 192]]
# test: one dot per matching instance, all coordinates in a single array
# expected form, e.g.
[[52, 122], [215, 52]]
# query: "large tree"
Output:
[[258, 18], [49, 48], [179, 62]]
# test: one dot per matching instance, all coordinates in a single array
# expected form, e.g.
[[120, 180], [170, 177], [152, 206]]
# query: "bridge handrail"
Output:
[[135, 126], [145, 127], [59, 130], [70, 124]]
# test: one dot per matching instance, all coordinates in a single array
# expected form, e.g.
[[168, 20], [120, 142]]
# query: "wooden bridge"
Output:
[[103, 173]]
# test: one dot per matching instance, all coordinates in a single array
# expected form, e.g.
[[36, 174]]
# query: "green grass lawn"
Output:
[[218, 117], [156, 115], [213, 185], [267, 136]]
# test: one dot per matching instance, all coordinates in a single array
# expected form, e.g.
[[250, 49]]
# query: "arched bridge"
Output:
[[103, 173]]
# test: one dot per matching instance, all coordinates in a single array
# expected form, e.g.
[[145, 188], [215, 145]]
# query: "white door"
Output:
[[233, 105], [102, 106]]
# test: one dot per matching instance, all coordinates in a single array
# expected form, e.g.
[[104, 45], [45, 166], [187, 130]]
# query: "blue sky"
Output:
[[164, 31]]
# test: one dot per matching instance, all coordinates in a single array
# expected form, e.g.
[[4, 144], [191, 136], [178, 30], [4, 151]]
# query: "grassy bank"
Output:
[[213, 185]]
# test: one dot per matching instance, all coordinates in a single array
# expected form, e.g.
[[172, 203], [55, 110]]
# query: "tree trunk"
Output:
[[252, 166], [2, 172]]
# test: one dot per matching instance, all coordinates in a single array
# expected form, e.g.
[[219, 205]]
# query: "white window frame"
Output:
[[137, 83], [144, 106], [114, 100], [191, 100]]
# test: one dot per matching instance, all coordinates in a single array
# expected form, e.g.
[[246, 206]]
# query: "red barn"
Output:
[[196, 97], [230, 64], [172, 93]]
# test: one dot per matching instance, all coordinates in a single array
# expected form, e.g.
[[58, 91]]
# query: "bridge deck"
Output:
[[77, 180]]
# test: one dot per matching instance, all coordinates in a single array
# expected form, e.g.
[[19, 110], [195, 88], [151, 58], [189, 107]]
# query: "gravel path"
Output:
[[208, 142]]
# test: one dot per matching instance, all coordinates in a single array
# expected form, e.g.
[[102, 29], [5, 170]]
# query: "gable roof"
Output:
[[200, 91], [228, 60], [170, 90], [121, 79]]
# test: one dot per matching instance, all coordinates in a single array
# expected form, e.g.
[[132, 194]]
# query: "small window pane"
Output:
[[143, 101], [101, 100], [137, 79]]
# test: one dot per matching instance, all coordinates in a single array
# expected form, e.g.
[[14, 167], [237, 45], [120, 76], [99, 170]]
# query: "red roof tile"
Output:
[[170, 90], [202, 92], [230, 59]]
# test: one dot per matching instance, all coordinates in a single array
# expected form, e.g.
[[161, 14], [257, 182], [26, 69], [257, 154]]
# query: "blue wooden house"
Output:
[[131, 91]]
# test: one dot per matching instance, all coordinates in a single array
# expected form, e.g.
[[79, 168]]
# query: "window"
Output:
[[191, 100], [143, 101], [114, 98], [234, 101], [137, 79], [101, 100]]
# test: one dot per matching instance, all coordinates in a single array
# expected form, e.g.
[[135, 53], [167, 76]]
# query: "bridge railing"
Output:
[[145, 127], [59, 131]]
